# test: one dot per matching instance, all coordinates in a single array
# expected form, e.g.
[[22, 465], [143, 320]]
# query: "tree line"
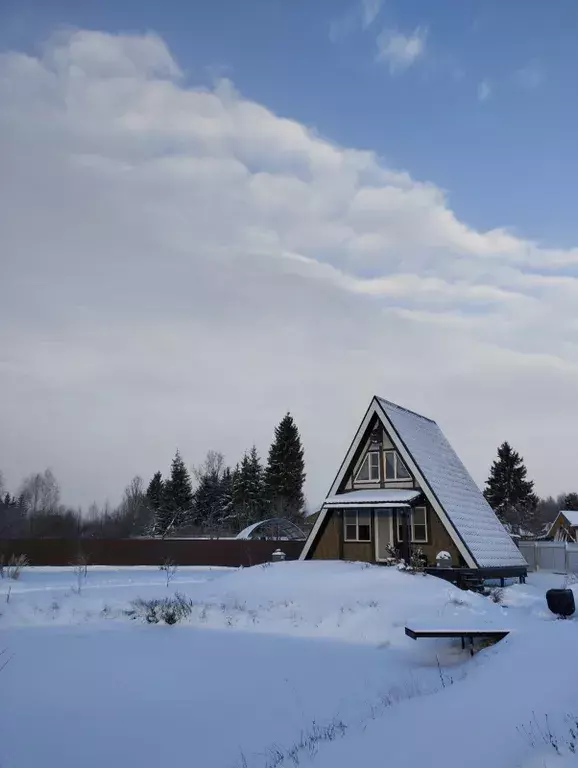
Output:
[[215, 499]]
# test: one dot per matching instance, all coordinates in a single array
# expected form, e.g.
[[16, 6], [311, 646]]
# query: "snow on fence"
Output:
[[561, 556], [223, 552]]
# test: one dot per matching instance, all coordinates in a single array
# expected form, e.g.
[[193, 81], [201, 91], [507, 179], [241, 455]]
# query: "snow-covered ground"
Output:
[[280, 665]]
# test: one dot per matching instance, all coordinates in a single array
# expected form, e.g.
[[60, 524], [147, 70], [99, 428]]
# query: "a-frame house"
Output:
[[402, 485]]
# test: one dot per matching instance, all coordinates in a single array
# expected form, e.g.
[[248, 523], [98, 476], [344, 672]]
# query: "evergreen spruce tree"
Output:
[[154, 494], [248, 501], [255, 486], [571, 501], [285, 472], [509, 493], [239, 512], [213, 496], [226, 510], [176, 504]]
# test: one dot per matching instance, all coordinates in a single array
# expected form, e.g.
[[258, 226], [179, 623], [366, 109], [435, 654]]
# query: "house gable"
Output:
[[564, 526], [471, 524], [377, 463]]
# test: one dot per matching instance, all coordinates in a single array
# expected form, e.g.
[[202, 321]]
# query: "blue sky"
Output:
[[507, 160]]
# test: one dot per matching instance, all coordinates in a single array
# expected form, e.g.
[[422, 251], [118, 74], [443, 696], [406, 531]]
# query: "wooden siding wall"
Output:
[[438, 540], [328, 545], [331, 545], [359, 550]]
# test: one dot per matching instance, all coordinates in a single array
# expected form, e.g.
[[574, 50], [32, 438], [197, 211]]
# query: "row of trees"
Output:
[[232, 498], [511, 495], [215, 499]]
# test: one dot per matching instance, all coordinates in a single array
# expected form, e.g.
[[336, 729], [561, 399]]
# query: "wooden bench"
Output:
[[466, 633]]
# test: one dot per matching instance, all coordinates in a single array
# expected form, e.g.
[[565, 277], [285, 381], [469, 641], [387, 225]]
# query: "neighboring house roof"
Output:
[[376, 498], [570, 514], [478, 534]]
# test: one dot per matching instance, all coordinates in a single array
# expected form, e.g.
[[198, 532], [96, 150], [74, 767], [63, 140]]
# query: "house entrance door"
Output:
[[383, 533]]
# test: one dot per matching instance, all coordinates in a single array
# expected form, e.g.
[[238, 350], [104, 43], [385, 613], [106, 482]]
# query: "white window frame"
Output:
[[355, 512], [371, 479], [396, 458], [399, 524], [413, 538]]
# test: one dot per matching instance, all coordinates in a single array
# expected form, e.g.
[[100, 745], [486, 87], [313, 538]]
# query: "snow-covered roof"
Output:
[[571, 515], [453, 487], [376, 498]]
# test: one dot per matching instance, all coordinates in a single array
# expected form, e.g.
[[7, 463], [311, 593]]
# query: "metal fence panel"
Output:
[[550, 555], [572, 558], [528, 550]]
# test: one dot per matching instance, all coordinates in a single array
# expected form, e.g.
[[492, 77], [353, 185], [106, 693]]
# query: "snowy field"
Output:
[[281, 665]]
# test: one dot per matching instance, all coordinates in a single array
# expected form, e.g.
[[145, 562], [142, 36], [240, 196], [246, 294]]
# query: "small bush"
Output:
[[496, 594], [169, 610], [170, 569], [12, 568], [542, 733], [80, 570], [417, 561]]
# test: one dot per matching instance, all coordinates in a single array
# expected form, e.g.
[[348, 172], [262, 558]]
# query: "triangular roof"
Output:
[[571, 516], [470, 521]]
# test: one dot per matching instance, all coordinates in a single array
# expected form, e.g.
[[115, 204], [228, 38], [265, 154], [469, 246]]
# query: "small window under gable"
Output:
[[395, 469], [369, 470]]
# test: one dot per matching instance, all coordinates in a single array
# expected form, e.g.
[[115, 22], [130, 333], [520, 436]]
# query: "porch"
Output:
[[372, 525]]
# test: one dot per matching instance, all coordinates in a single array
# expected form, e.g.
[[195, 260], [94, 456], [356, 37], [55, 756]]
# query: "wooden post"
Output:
[[406, 548]]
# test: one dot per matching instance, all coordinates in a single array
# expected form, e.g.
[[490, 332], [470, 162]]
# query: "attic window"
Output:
[[395, 469], [369, 470]]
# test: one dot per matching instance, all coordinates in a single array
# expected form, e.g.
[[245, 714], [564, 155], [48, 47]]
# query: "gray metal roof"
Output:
[[373, 498], [453, 487]]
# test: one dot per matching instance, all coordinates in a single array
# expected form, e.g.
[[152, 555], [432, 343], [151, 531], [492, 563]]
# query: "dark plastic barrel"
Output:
[[561, 601]]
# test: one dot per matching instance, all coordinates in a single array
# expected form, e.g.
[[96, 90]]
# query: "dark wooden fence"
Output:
[[225, 552]]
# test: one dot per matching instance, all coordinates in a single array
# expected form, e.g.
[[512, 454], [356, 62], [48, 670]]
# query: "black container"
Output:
[[561, 601]]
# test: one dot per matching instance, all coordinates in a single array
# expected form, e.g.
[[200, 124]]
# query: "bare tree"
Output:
[[133, 516], [170, 569], [40, 492], [213, 466]]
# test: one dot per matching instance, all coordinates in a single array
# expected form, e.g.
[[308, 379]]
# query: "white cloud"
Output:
[[180, 266], [530, 76], [370, 11], [401, 50], [359, 15], [485, 90]]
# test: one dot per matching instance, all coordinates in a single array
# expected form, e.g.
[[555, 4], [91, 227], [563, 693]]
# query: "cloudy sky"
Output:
[[212, 213]]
